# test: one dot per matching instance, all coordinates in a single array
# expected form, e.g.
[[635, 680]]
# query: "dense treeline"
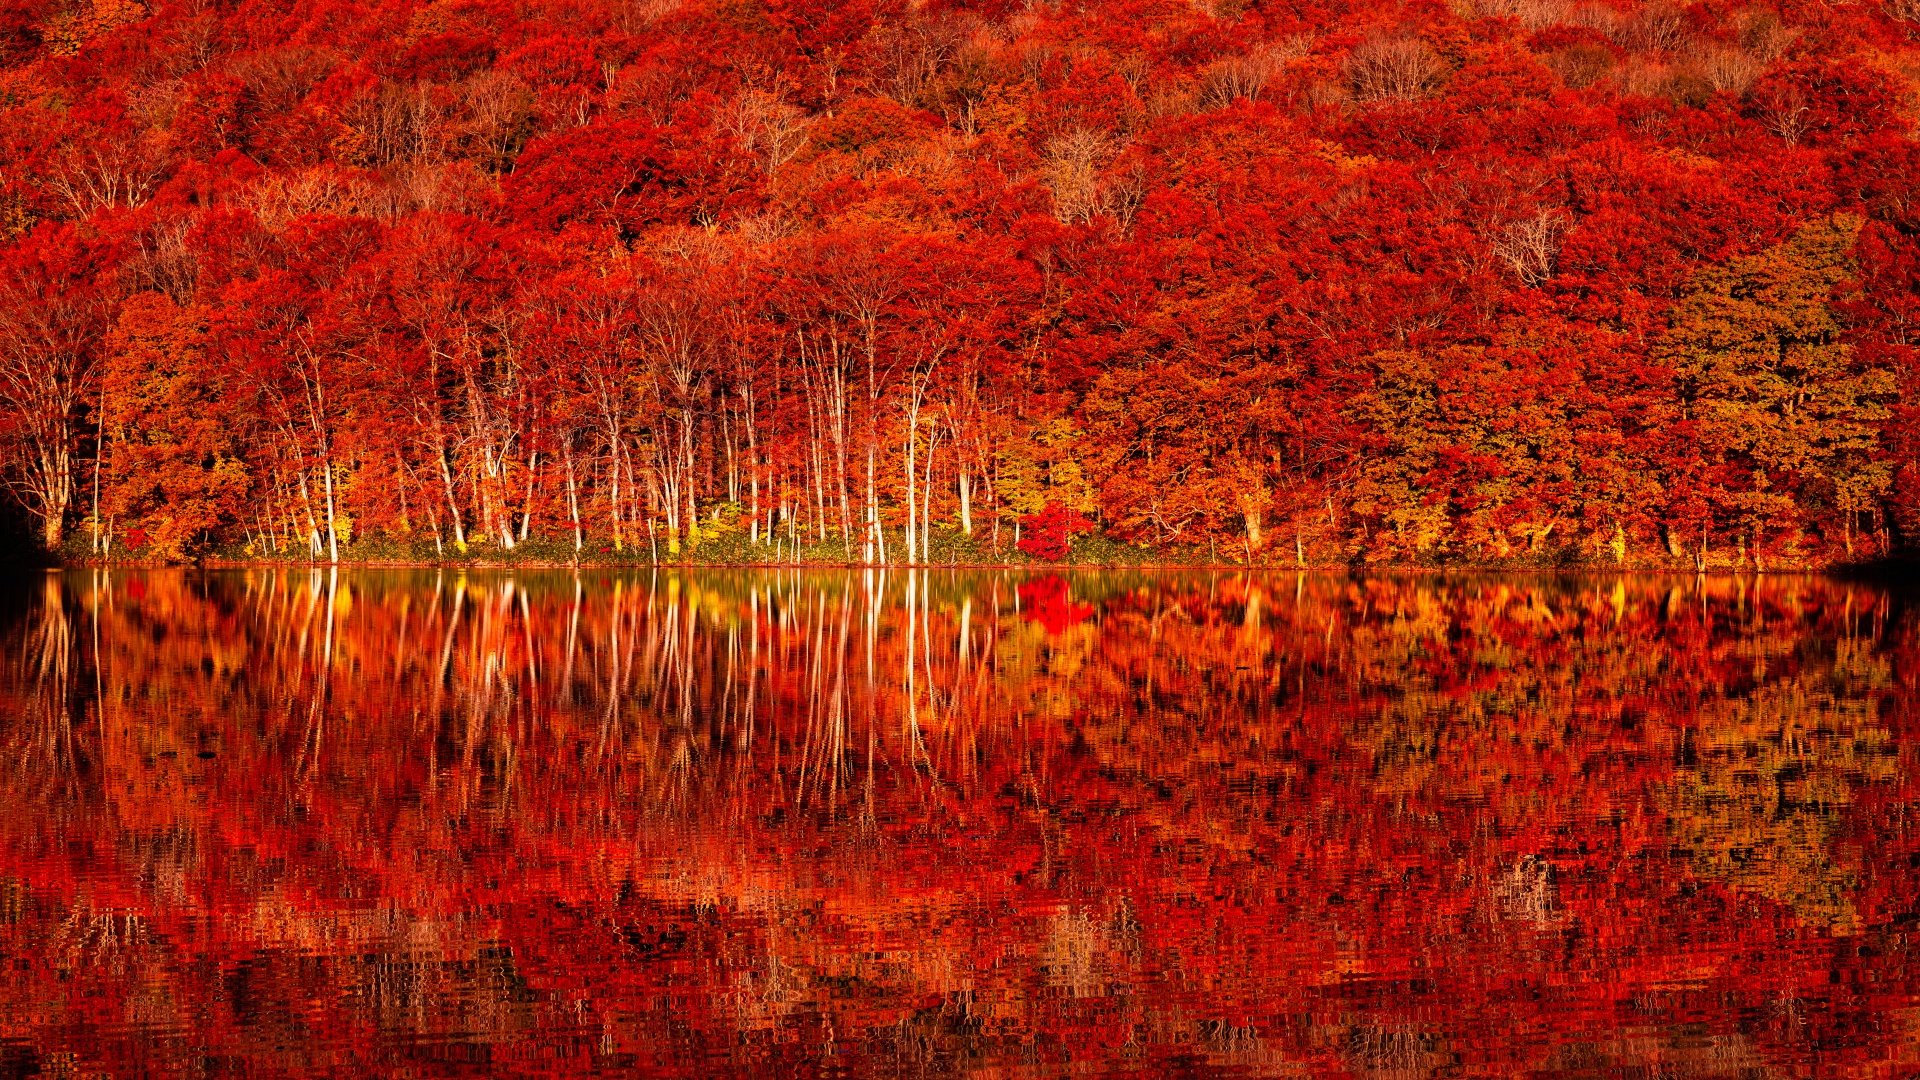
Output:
[[1311, 281]]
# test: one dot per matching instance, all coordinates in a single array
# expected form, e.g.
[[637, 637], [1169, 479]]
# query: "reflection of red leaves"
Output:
[[1144, 766], [1045, 601]]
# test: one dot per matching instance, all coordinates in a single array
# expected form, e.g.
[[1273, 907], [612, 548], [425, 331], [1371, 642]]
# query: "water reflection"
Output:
[[701, 823]]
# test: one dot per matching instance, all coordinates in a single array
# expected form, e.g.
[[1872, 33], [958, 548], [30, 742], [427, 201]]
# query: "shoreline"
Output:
[[1876, 568]]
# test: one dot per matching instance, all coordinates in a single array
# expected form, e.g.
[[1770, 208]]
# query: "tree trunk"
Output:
[[913, 478], [53, 526], [526, 507], [333, 532], [877, 538], [306, 504], [100, 452], [751, 422], [573, 500], [615, 449], [926, 502], [453, 499]]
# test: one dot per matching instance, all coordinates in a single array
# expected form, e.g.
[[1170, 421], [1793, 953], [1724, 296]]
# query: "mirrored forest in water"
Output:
[[274, 822]]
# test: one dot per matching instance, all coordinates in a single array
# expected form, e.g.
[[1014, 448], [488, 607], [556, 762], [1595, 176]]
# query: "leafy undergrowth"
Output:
[[947, 547]]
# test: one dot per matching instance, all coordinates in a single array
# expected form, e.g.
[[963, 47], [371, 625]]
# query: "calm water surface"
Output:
[[271, 823]]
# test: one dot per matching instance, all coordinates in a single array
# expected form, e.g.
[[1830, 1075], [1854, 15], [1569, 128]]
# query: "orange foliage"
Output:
[[446, 823], [1316, 283]]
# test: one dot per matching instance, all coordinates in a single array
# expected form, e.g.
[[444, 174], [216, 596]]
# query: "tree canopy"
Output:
[[1321, 282]]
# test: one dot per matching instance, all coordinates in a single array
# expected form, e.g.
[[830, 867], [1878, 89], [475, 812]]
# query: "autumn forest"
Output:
[[1294, 282]]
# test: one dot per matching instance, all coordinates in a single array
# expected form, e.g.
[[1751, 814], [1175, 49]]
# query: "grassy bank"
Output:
[[948, 548]]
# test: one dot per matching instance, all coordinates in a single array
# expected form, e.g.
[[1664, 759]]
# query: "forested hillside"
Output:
[[1305, 281]]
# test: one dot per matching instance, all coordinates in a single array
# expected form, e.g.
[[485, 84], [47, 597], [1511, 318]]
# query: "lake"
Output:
[[280, 823]]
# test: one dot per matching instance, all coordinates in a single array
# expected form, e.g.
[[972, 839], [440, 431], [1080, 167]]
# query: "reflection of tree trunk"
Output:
[[908, 684], [46, 752]]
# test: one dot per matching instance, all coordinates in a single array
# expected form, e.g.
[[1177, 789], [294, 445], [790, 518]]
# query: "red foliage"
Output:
[[1048, 602], [1048, 535], [1470, 826], [1315, 283]]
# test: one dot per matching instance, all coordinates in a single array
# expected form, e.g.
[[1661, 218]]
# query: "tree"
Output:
[[172, 473], [1774, 403], [1048, 535], [55, 307], [1478, 281]]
